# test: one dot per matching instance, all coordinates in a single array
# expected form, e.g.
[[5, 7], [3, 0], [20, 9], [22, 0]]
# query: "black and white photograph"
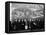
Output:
[[24, 17]]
